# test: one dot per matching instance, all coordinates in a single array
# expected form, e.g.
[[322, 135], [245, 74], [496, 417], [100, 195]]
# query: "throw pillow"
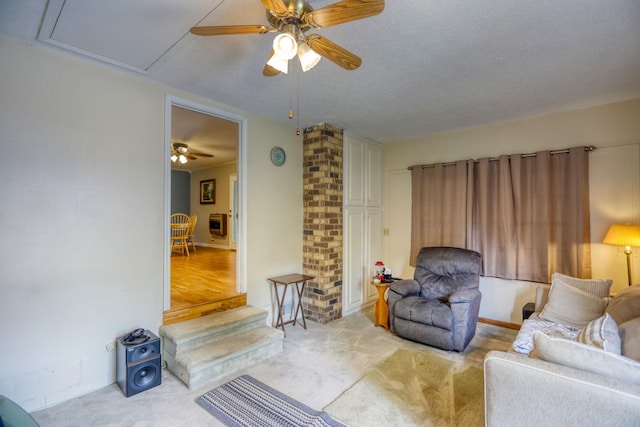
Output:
[[603, 333], [630, 334], [585, 357], [625, 305], [571, 306], [597, 287]]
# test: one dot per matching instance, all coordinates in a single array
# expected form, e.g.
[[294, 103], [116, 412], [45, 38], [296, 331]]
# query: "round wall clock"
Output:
[[278, 156]]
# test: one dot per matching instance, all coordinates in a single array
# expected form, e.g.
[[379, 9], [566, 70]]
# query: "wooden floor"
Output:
[[202, 283]]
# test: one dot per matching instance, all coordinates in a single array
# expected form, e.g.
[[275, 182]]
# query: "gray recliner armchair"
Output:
[[439, 307]]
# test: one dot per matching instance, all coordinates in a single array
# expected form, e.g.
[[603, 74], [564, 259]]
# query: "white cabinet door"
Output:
[[362, 221], [373, 238], [354, 259], [354, 185], [373, 169]]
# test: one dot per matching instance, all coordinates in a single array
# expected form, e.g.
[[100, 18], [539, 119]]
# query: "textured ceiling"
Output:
[[428, 66], [205, 134]]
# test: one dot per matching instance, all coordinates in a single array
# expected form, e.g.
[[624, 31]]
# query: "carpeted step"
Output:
[[206, 363], [191, 334], [202, 349]]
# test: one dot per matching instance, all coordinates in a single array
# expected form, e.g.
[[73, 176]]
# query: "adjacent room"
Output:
[[204, 215], [356, 212]]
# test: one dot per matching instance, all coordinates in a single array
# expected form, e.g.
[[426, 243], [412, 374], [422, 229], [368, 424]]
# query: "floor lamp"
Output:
[[624, 235]]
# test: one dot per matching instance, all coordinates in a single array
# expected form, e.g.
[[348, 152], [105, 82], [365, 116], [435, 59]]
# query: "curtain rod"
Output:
[[493, 159]]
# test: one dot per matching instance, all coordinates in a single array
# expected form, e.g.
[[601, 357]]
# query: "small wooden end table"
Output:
[[299, 280], [382, 307]]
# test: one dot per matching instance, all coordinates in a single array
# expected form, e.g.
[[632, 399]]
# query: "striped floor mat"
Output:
[[246, 401]]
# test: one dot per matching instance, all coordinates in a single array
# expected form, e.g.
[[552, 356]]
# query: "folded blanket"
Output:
[[524, 341]]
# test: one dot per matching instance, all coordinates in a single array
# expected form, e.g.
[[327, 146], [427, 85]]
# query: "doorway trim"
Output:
[[241, 257], [233, 212]]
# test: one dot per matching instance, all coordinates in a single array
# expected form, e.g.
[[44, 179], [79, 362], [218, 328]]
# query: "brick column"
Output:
[[322, 244]]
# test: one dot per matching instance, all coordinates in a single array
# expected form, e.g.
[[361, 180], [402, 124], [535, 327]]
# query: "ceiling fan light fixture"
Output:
[[308, 58], [182, 159], [279, 64], [174, 158], [285, 46]]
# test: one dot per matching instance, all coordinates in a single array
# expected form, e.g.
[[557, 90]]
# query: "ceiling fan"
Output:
[[180, 153], [292, 19]]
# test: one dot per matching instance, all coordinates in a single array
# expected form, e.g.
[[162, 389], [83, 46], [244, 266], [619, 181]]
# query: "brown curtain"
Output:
[[440, 206], [569, 230], [531, 177], [494, 226], [528, 215]]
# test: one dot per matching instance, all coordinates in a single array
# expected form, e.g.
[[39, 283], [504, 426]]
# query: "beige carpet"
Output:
[[436, 391]]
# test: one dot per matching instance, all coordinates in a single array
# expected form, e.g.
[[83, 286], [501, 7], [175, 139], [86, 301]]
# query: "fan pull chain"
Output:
[[295, 87], [297, 103], [291, 100]]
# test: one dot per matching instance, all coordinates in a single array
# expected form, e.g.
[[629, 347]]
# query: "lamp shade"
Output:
[[623, 235], [308, 58], [279, 64], [285, 46]]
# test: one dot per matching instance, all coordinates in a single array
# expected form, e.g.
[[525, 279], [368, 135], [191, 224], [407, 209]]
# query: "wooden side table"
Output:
[[382, 307], [299, 280]]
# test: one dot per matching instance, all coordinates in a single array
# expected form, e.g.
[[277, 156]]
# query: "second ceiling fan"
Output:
[[292, 19], [180, 153]]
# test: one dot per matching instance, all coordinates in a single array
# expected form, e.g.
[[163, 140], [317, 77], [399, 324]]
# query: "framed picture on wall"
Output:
[[207, 191]]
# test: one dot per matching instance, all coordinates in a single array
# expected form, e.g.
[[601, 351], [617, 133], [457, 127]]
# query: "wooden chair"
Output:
[[179, 229], [193, 219]]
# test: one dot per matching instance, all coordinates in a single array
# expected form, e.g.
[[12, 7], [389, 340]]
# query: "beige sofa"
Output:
[[565, 381]]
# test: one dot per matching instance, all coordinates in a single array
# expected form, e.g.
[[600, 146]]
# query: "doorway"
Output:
[[202, 129]]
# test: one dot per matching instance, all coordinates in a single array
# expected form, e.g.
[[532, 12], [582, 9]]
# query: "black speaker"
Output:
[[138, 363]]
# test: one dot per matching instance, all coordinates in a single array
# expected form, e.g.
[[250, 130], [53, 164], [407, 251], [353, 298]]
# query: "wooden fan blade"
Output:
[[268, 70], [343, 11], [190, 157], [333, 52], [202, 154], [276, 6], [229, 29]]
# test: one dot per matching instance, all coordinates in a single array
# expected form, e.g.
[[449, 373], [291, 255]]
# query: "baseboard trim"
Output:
[[499, 323], [213, 245]]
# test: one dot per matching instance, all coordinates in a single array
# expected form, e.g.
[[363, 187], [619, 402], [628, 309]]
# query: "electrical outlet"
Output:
[[111, 346]]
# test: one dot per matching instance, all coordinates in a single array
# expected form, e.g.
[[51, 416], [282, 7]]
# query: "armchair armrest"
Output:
[[465, 305], [405, 288], [464, 296], [398, 290]]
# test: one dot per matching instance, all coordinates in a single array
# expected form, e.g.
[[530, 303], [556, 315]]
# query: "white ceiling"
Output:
[[428, 66], [206, 134]]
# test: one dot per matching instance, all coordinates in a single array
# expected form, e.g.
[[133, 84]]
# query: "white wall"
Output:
[[614, 186], [222, 203], [275, 210], [82, 223]]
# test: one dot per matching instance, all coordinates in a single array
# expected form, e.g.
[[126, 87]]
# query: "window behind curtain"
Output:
[[528, 215]]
